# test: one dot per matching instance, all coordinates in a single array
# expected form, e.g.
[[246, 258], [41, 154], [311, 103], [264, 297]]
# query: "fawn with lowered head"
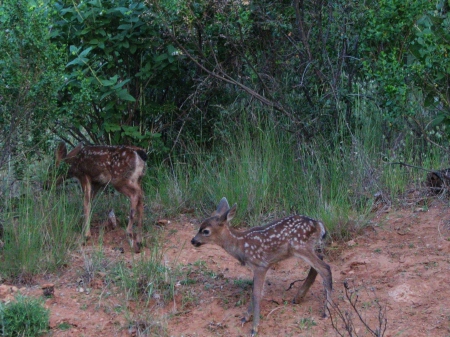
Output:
[[95, 167], [261, 247]]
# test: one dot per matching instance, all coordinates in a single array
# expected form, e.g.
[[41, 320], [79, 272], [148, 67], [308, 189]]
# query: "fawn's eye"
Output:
[[206, 232]]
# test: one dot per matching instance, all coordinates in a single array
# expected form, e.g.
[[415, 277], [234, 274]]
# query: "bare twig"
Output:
[[338, 314], [292, 284]]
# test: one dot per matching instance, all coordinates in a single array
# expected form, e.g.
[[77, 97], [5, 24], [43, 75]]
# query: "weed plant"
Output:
[[24, 317], [146, 278]]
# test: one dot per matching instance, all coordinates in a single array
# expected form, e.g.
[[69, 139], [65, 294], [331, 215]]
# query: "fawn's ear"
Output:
[[60, 153], [222, 208], [75, 151], [232, 212], [228, 215]]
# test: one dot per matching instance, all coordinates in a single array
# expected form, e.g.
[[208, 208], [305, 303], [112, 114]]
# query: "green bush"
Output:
[[24, 317]]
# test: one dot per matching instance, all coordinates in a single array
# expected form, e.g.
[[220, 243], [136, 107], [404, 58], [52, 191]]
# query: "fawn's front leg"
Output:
[[87, 199], [254, 309]]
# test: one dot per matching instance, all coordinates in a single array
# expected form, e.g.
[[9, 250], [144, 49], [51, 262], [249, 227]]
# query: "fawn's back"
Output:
[[281, 239], [107, 164]]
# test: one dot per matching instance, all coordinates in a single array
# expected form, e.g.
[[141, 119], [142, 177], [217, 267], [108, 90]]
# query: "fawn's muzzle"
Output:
[[196, 243]]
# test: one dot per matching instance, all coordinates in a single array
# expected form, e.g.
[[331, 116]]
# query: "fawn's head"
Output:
[[212, 227], [62, 168]]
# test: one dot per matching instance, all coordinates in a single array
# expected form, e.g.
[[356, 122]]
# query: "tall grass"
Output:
[[265, 171], [39, 228], [270, 173]]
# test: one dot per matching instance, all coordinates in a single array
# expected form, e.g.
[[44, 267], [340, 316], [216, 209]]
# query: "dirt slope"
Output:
[[401, 262]]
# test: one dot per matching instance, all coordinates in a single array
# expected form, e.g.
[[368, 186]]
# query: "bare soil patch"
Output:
[[401, 261]]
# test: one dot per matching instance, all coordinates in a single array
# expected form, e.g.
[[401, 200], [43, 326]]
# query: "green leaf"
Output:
[[124, 95], [161, 57], [121, 84], [430, 99], [110, 82], [73, 50], [171, 50], [85, 52], [125, 26], [122, 10], [111, 127]]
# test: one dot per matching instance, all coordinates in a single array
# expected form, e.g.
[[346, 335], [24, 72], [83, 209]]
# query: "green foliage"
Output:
[[160, 74], [30, 75], [431, 63], [385, 55], [280, 107], [117, 67], [24, 317]]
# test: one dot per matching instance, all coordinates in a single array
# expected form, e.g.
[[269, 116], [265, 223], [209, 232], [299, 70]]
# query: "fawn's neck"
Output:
[[233, 243]]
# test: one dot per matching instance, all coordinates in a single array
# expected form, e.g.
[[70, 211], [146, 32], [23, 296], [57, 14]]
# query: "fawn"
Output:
[[97, 166], [261, 247]]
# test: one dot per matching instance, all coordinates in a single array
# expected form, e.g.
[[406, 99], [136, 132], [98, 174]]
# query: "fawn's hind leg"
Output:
[[317, 266], [305, 286]]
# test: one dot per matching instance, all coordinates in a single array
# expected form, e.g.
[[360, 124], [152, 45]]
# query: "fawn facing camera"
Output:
[[95, 167], [261, 247]]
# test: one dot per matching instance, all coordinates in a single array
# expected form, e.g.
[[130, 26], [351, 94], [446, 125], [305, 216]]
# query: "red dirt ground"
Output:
[[401, 262]]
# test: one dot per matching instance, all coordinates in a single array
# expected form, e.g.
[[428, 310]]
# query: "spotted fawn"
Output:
[[261, 247]]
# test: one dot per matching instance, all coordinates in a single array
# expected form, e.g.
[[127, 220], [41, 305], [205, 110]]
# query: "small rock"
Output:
[[187, 210], [7, 292], [163, 222], [112, 220], [48, 289], [119, 249], [351, 243]]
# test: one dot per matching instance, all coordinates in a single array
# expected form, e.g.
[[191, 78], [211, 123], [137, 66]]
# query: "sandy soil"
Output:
[[399, 267]]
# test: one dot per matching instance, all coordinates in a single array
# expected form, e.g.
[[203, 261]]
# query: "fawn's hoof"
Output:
[[86, 239], [245, 319], [137, 247], [298, 299]]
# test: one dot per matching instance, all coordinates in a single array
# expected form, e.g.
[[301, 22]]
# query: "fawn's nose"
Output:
[[195, 242]]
